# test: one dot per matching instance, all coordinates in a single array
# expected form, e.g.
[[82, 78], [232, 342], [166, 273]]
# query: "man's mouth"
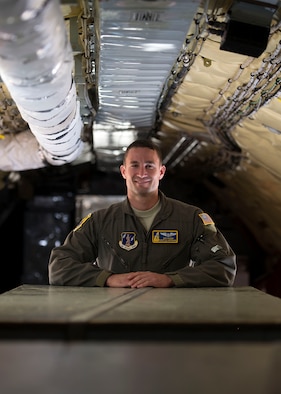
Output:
[[142, 181]]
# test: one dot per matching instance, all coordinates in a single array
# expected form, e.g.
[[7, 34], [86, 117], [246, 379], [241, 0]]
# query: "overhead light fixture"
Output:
[[248, 26]]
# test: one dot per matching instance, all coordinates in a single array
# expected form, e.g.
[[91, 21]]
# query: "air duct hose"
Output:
[[36, 64]]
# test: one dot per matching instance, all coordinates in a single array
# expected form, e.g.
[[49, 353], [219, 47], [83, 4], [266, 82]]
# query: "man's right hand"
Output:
[[118, 280]]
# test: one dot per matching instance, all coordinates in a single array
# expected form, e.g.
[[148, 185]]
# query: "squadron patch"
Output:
[[206, 219], [128, 240], [82, 221], [165, 236]]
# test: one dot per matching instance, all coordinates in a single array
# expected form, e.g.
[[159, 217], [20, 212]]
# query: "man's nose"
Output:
[[142, 171]]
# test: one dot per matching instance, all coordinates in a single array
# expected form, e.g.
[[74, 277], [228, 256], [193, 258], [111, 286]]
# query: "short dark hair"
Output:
[[142, 143]]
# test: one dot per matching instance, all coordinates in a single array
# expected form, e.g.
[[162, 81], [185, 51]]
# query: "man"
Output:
[[146, 240]]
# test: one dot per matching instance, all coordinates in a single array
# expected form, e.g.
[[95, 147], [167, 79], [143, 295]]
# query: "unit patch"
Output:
[[128, 240], [165, 236], [206, 219]]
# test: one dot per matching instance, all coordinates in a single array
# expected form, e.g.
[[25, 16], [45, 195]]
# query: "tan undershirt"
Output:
[[147, 217]]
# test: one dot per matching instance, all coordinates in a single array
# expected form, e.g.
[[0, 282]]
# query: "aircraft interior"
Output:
[[82, 79]]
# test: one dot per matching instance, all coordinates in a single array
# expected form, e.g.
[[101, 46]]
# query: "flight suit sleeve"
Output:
[[213, 262], [74, 262]]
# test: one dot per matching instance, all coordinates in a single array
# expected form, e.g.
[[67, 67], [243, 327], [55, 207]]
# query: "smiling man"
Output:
[[148, 240], [142, 169]]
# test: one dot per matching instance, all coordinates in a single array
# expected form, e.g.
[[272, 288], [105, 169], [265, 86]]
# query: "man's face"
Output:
[[142, 171]]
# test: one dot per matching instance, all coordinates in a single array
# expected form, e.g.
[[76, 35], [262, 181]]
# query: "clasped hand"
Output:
[[139, 279]]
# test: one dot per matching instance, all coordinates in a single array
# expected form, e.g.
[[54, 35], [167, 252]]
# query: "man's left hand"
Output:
[[149, 279]]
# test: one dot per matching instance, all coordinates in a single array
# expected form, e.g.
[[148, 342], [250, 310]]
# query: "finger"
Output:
[[138, 282]]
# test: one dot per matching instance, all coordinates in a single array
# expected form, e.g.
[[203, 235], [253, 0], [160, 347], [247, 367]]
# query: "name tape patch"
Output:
[[165, 236]]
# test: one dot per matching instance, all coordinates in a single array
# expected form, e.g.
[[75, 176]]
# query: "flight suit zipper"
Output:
[[113, 251]]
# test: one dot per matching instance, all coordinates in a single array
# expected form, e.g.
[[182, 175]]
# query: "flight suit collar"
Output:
[[165, 210]]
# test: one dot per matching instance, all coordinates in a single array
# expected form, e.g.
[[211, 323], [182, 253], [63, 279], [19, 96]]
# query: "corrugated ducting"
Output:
[[139, 44], [36, 64]]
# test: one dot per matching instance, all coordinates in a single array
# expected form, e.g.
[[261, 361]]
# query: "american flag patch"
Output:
[[206, 219]]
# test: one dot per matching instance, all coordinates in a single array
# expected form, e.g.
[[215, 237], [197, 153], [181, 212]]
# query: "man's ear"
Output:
[[122, 171], [162, 171]]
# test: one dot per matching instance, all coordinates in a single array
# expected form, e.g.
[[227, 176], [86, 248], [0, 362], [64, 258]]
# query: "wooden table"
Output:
[[54, 312]]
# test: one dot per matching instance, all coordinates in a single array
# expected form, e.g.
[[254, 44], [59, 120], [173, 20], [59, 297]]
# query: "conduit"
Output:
[[139, 44], [36, 64]]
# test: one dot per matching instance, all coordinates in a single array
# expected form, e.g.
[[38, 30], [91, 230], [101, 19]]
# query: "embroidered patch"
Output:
[[215, 248], [128, 240], [82, 222], [206, 219], [165, 236]]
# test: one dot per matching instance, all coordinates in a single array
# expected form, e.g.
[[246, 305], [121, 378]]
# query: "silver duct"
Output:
[[36, 64], [140, 42]]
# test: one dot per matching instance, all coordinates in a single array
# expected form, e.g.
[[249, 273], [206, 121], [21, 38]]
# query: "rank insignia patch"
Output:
[[82, 222], [165, 236], [128, 240], [206, 219]]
